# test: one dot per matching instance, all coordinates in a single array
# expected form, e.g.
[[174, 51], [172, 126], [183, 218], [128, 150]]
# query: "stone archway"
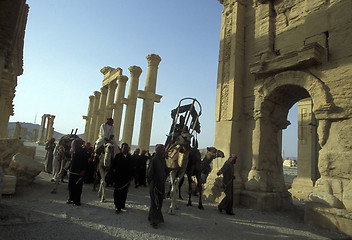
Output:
[[265, 188]]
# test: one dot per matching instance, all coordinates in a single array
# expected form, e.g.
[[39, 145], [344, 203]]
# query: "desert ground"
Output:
[[35, 213]]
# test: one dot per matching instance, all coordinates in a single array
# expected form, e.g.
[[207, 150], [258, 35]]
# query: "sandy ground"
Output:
[[34, 213]]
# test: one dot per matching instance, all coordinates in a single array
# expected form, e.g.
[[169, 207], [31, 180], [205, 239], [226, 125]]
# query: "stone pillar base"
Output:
[[266, 200], [301, 188], [326, 217]]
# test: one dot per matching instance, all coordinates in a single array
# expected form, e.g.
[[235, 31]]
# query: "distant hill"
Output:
[[30, 127]]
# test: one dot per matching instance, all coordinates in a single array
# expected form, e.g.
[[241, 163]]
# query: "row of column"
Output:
[[102, 105], [45, 134]]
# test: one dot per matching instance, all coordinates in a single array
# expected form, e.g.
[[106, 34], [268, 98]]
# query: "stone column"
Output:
[[131, 105], [17, 130], [88, 118], [118, 106], [228, 108], [34, 135], [149, 97], [110, 99], [93, 119], [307, 151], [101, 111], [42, 130], [50, 129], [47, 129], [23, 134], [8, 84]]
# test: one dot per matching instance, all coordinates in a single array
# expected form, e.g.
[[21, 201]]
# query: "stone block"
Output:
[[29, 151], [330, 218], [9, 185], [24, 168], [268, 201]]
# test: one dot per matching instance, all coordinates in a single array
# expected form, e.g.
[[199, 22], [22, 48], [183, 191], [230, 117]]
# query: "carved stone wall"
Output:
[[13, 19], [272, 55]]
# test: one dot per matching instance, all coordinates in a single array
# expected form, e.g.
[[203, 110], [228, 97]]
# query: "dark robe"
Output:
[[228, 172], [122, 169], [156, 179], [135, 163], [48, 165], [75, 181], [142, 170]]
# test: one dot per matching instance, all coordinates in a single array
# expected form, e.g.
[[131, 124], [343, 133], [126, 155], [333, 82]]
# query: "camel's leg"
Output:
[[101, 192], [200, 191], [174, 193], [189, 190], [179, 187], [59, 176]]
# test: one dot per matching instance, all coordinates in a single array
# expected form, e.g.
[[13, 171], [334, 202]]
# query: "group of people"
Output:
[[126, 167]]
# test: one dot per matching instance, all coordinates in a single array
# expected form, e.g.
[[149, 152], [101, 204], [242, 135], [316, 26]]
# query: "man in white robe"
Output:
[[106, 134]]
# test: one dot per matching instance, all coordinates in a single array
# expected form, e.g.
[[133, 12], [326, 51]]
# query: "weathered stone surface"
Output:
[[8, 148], [327, 217], [272, 55], [9, 185], [24, 168]]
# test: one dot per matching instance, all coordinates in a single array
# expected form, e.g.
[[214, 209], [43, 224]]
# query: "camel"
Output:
[[177, 161], [200, 169], [65, 159], [103, 168]]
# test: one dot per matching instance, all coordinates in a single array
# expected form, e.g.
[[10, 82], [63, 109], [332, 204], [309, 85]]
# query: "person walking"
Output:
[[48, 163], [142, 171], [156, 179], [79, 166], [122, 169], [136, 162], [228, 176]]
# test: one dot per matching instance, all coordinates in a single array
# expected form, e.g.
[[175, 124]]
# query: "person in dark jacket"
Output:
[[228, 176], [156, 179], [142, 171], [122, 169], [79, 166]]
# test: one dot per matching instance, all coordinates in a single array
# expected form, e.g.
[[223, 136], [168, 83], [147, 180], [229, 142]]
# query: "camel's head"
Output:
[[184, 139], [215, 153]]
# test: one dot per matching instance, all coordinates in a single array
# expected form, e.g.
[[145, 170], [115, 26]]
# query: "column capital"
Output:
[[91, 97], [135, 71], [104, 90], [122, 78], [109, 70], [112, 84], [97, 93], [153, 60]]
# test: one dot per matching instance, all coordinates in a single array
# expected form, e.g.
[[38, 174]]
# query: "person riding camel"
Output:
[[106, 134]]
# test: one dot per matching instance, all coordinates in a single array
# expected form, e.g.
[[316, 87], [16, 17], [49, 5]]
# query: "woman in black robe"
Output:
[[122, 169], [156, 179]]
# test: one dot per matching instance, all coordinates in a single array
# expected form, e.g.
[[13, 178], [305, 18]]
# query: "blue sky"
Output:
[[68, 42]]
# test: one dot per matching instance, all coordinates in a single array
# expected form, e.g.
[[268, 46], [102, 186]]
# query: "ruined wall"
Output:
[[273, 54]]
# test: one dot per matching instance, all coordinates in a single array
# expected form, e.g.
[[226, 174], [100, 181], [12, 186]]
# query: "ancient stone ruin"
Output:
[[272, 55], [104, 104]]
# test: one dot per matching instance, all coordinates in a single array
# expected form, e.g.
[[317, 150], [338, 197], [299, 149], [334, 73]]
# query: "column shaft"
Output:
[[118, 106], [93, 119], [131, 105], [101, 111], [110, 99], [87, 118], [148, 102]]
